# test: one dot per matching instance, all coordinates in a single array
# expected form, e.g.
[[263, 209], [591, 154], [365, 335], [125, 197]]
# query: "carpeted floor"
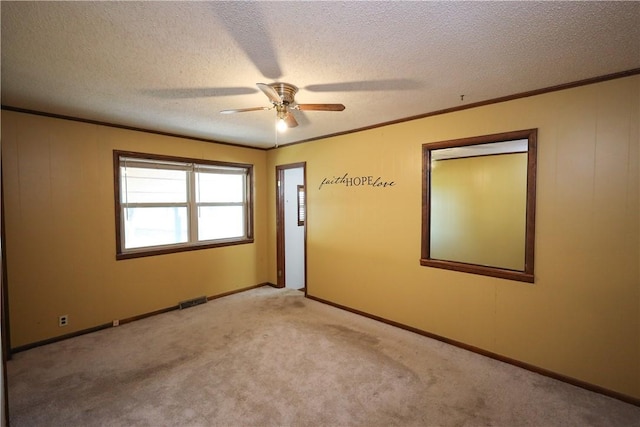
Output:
[[270, 357]]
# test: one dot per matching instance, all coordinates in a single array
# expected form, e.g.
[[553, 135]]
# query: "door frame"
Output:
[[4, 312], [280, 237]]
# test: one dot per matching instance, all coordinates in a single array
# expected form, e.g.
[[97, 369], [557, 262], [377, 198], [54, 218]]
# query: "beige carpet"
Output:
[[270, 357]]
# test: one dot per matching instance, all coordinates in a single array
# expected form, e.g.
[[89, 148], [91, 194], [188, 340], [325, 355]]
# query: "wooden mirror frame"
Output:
[[526, 275]]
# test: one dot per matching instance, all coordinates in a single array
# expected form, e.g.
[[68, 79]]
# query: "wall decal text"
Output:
[[356, 181]]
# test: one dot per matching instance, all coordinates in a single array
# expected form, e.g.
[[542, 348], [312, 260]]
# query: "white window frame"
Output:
[[191, 166]]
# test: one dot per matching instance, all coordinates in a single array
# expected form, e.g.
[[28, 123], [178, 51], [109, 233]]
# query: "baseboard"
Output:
[[124, 321], [524, 365], [237, 291], [275, 286], [25, 347]]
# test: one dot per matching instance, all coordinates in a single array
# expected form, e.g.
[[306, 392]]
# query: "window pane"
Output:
[[220, 222], [155, 226], [144, 185], [301, 205], [220, 188]]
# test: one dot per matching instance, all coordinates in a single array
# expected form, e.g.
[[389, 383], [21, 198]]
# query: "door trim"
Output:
[[4, 309], [280, 238]]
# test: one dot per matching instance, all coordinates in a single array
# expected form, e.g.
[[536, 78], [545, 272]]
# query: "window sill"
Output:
[[520, 276], [145, 252]]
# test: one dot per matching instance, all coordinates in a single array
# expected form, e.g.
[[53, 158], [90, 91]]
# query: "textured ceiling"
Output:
[[172, 66]]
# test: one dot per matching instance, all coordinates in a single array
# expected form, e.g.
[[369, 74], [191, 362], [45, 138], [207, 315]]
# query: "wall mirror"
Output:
[[478, 206]]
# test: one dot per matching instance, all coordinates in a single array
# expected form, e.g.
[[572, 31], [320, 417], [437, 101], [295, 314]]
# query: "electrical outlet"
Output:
[[116, 323], [63, 320]]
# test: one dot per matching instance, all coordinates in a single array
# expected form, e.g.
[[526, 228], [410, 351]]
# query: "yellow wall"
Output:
[[60, 229], [581, 318], [479, 210]]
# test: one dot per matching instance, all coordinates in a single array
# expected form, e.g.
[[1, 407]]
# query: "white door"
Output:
[[293, 231]]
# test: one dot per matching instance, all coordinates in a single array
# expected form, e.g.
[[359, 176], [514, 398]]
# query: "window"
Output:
[[302, 207], [167, 204]]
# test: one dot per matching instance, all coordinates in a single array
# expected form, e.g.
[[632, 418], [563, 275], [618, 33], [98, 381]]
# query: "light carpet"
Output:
[[270, 357]]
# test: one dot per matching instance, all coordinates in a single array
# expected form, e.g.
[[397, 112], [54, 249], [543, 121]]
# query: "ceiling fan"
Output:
[[282, 99]]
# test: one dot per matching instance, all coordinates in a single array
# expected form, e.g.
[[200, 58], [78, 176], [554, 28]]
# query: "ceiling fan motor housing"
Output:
[[286, 91]]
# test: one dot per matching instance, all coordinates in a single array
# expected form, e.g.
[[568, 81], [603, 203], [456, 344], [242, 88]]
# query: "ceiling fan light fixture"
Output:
[[281, 125], [281, 118]]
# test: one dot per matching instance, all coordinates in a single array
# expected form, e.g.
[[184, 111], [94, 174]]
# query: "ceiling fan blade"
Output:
[[290, 120], [271, 93], [320, 107], [243, 110]]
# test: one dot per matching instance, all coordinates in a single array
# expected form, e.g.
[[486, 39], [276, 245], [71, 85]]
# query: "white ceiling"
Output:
[[172, 66]]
